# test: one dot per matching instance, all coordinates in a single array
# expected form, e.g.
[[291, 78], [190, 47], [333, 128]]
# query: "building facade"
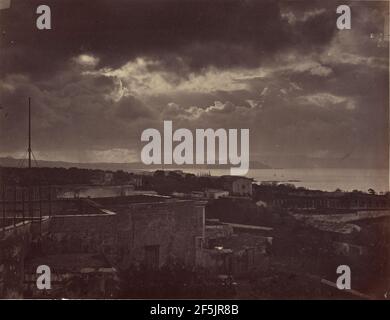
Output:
[[238, 186]]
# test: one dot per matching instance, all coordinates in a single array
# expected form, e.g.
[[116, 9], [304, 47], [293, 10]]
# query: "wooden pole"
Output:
[[3, 197]]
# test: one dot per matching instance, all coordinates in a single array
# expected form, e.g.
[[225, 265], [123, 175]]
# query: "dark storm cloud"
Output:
[[110, 69], [70, 112], [224, 33], [133, 109]]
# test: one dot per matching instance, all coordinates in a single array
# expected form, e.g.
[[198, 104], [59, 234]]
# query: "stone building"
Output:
[[216, 193], [91, 243], [237, 186], [332, 200], [157, 233], [235, 250]]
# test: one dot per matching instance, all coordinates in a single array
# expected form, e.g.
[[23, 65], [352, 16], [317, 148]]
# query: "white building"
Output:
[[238, 186]]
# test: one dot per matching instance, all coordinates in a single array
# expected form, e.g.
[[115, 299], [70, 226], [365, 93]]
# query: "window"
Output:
[[198, 242], [152, 257]]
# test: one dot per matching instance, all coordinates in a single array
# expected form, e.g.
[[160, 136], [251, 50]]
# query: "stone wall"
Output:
[[94, 233], [123, 233], [175, 228], [96, 191], [120, 236]]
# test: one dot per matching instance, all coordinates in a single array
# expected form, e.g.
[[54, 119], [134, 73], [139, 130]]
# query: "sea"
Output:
[[317, 179]]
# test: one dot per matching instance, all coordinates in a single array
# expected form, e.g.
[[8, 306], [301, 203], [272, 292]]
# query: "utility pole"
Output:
[[29, 135], [30, 205]]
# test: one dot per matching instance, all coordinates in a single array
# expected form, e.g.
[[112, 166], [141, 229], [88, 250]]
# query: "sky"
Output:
[[109, 70]]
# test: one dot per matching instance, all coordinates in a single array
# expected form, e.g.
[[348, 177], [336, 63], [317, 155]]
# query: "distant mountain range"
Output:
[[132, 166], [275, 162]]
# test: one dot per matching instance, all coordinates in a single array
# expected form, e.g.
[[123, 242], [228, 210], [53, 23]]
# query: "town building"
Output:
[[91, 242], [235, 250], [216, 193], [237, 186], [331, 200]]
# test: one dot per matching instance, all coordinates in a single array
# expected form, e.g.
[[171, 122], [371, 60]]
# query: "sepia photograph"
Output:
[[194, 150]]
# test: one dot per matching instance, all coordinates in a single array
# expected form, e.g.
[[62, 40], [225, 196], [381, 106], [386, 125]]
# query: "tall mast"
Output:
[[29, 190], [29, 133]]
